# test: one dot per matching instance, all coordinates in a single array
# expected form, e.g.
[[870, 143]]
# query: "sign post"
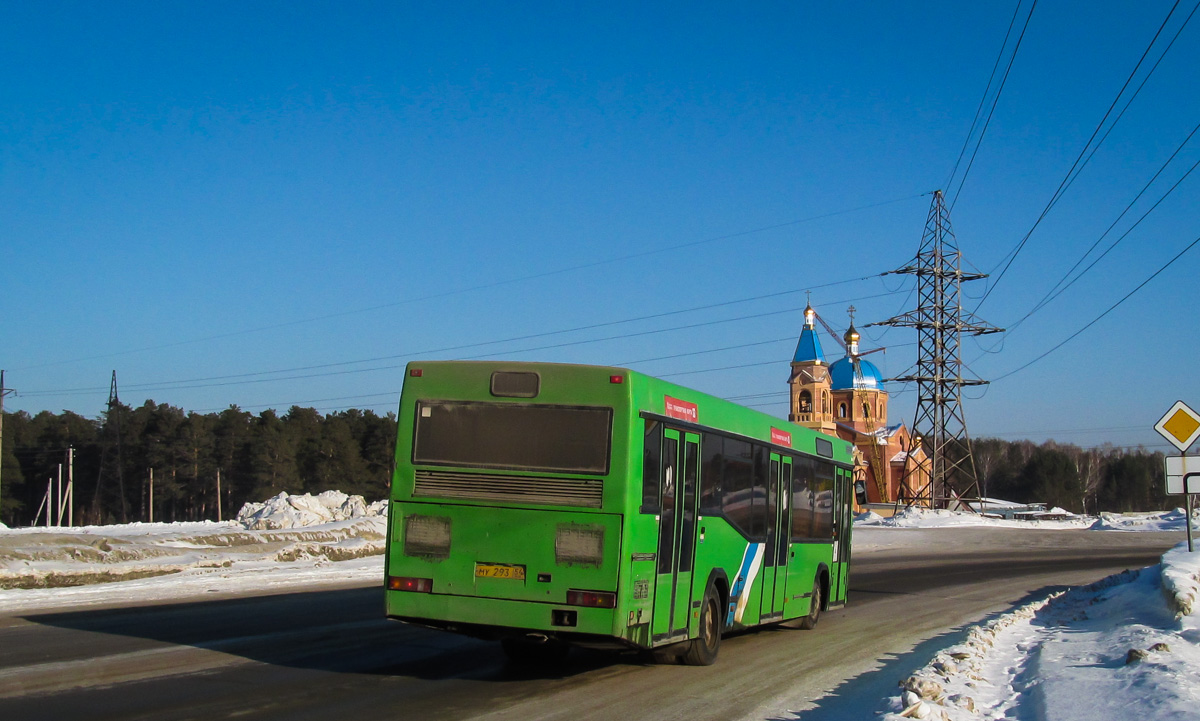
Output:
[[1181, 426]]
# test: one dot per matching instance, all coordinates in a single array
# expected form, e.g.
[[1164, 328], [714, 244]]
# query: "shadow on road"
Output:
[[335, 631], [860, 696]]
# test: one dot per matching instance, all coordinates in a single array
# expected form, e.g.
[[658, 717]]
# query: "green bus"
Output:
[[547, 504]]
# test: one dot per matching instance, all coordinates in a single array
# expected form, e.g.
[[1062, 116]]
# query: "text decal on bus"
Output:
[[782, 438], [682, 410]]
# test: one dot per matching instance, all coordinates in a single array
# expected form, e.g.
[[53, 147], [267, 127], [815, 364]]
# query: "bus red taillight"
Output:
[[401, 583], [592, 599], [415, 372], [616, 379]]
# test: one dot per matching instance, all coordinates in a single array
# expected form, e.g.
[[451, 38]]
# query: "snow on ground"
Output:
[[933, 518], [288, 542], [1127, 646]]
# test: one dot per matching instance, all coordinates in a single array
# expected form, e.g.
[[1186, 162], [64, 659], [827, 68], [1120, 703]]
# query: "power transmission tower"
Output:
[[947, 472], [114, 417]]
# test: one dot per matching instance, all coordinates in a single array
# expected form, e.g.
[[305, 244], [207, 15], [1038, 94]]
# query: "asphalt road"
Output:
[[329, 654]]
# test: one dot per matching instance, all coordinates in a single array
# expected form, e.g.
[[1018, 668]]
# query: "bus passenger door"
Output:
[[843, 520], [774, 574], [676, 534], [783, 533]]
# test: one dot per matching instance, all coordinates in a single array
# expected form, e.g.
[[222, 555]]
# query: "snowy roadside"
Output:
[[1127, 646], [286, 543]]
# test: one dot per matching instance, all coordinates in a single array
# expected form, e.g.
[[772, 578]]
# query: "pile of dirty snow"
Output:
[[291, 511], [1125, 647]]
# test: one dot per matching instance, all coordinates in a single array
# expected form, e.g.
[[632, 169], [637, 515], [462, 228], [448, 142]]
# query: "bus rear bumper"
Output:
[[496, 618]]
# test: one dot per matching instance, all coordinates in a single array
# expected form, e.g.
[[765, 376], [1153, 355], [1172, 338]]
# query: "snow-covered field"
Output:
[[1125, 647], [286, 543]]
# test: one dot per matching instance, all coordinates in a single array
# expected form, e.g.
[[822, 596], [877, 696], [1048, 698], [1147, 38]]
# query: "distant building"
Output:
[[847, 399]]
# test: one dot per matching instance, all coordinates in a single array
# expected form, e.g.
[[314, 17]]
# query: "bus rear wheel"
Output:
[[702, 650], [814, 614]]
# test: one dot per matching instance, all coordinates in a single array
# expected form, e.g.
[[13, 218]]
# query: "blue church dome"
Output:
[[842, 376]]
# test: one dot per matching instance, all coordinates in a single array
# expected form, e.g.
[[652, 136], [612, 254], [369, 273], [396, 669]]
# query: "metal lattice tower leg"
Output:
[[947, 472]]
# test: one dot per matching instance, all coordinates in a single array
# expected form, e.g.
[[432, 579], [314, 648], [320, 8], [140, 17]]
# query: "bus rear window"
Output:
[[513, 436]]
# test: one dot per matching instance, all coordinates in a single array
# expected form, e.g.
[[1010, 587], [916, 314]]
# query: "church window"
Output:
[[841, 410], [805, 402], [866, 411]]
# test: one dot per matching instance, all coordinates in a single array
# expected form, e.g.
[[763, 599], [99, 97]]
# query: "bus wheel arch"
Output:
[[718, 581]]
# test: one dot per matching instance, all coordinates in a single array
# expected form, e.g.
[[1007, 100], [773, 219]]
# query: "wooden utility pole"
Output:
[[71, 485], [218, 495], [152, 495]]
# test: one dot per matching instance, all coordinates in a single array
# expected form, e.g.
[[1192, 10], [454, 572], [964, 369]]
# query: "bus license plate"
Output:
[[499, 570]]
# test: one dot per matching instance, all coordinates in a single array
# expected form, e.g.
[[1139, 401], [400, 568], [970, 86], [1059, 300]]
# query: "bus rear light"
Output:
[[415, 373], [618, 380], [575, 543], [401, 583], [427, 536], [592, 599]]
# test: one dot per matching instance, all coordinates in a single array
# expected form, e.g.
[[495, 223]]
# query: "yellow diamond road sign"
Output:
[[1180, 426]]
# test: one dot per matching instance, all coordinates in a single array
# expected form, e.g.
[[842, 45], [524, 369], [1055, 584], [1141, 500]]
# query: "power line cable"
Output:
[[156, 385], [1110, 309], [1051, 295], [983, 99], [486, 286], [1077, 166], [187, 385], [995, 100]]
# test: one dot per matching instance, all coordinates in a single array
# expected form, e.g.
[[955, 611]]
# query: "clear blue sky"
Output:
[[202, 190]]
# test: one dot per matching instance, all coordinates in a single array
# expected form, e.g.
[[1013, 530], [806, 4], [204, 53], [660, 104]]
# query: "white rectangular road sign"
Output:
[[1178, 469]]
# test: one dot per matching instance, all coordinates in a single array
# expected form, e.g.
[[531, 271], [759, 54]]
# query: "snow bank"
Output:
[[1056, 518], [1113, 649], [914, 517], [1181, 579], [289, 511], [1174, 520]]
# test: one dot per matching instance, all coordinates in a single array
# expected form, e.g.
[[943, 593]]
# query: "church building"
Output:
[[847, 399]]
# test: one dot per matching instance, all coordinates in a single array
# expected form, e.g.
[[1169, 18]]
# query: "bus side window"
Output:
[[802, 501], [737, 497], [823, 501], [711, 473], [651, 464], [759, 497]]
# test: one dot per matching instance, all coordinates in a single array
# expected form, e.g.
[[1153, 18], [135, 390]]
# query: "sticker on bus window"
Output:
[[782, 438], [682, 410]]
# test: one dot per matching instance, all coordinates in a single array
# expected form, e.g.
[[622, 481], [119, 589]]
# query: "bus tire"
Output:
[[809, 622], [702, 650], [529, 653]]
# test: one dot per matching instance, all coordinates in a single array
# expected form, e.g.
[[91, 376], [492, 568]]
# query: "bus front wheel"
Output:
[[702, 650]]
